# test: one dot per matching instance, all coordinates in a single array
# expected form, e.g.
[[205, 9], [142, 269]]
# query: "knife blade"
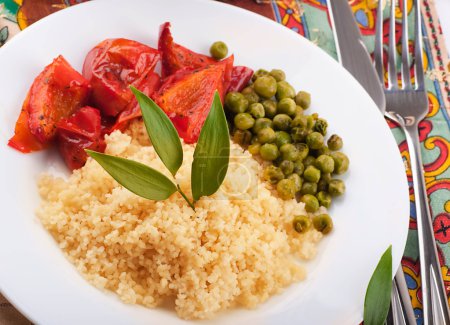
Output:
[[352, 52]]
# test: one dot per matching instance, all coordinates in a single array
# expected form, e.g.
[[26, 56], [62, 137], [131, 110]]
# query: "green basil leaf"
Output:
[[136, 177], [161, 131], [378, 294], [212, 153]]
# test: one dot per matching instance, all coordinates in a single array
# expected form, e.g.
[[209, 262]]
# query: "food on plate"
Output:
[[234, 244], [237, 249], [268, 119], [56, 93]]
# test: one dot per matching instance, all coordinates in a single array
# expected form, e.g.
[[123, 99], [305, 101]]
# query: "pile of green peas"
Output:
[[267, 117]]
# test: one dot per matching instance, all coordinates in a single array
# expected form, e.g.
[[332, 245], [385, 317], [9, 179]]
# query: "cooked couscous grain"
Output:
[[237, 248]]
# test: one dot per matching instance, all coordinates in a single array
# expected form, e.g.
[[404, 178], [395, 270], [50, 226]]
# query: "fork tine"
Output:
[[406, 77], [378, 52], [392, 61], [419, 76]]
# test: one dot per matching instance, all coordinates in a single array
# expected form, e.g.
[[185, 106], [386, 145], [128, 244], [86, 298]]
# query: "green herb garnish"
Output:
[[211, 154], [210, 163], [161, 131], [378, 294]]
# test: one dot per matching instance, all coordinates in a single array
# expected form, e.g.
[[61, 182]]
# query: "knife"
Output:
[[353, 56], [351, 51]]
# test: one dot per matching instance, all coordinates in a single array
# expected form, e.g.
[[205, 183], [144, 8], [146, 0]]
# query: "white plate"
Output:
[[374, 213]]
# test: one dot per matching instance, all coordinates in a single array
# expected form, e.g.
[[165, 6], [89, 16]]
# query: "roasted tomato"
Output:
[[112, 66], [240, 77], [81, 131], [56, 93], [186, 96], [148, 86], [175, 57], [23, 140]]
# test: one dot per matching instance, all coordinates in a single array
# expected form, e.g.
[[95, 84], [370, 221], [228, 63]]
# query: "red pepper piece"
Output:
[[81, 131], [56, 93], [186, 96], [148, 86], [175, 57], [112, 66], [240, 77], [23, 140]]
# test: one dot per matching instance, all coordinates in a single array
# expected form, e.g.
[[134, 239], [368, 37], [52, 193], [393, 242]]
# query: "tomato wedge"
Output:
[[56, 93], [186, 96], [175, 57], [81, 131], [23, 140], [112, 66], [148, 86]]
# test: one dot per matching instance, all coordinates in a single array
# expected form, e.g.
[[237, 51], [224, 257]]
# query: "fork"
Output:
[[408, 105]]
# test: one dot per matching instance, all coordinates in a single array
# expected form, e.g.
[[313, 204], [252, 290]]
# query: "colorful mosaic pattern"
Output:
[[310, 19]]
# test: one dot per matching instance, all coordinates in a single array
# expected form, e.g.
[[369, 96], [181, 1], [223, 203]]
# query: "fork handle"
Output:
[[434, 297]]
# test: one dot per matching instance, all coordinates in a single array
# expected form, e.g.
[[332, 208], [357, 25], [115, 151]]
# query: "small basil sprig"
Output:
[[378, 294], [210, 163], [211, 154]]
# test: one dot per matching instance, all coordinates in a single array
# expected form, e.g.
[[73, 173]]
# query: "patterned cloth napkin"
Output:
[[310, 19]]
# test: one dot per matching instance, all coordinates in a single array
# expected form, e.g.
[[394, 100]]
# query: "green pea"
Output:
[[335, 142], [284, 90], [289, 152], [266, 135], [300, 121], [325, 164], [309, 160], [299, 168], [242, 137], [309, 188], [273, 174], [336, 187], [270, 108], [311, 174], [257, 110], [252, 97], [322, 151], [287, 167], [298, 110], [244, 121], [261, 123], [259, 73], [321, 126], [322, 185], [301, 224], [236, 102], [265, 86], [269, 152], [254, 148], [324, 199], [247, 90], [282, 122], [297, 181], [341, 162], [315, 140], [303, 99], [218, 50], [299, 134], [310, 121], [282, 138], [278, 74], [286, 106], [286, 189], [303, 150], [311, 202], [323, 223]]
